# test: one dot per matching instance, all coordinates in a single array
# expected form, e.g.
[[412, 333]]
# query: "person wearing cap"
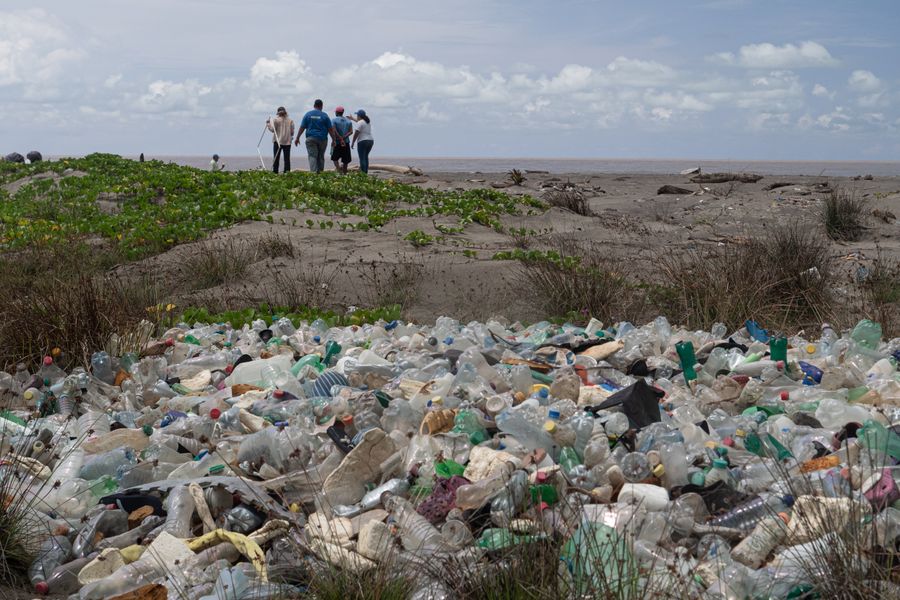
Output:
[[363, 137], [340, 153], [317, 125], [282, 128]]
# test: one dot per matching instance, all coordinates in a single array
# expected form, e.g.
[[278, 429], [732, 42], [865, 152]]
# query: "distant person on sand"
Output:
[[282, 128], [141, 159], [363, 137], [214, 164], [340, 153], [317, 126]]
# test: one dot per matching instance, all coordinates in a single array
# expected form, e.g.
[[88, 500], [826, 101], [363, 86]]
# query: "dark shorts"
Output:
[[341, 153]]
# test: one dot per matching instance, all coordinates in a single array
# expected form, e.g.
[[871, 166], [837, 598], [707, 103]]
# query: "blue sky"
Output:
[[740, 79]]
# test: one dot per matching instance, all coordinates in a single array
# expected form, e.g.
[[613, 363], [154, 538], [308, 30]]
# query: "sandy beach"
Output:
[[457, 273]]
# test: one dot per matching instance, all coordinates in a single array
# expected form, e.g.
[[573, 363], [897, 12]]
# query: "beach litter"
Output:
[[240, 463]]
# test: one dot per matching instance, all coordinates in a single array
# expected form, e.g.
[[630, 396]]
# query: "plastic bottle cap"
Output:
[[788, 500], [720, 463], [550, 427], [317, 339], [347, 420], [48, 360], [784, 517], [780, 365], [543, 506], [147, 429], [541, 476], [215, 413], [437, 401], [658, 470], [55, 352], [810, 348], [785, 395], [740, 433], [29, 395], [42, 588], [170, 341], [544, 392], [229, 369], [278, 393], [710, 444], [698, 478], [728, 441], [722, 451], [553, 414]]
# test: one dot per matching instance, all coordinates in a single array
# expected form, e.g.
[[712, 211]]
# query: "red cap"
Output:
[[170, 341], [229, 369], [48, 360], [785, 395], [339, 109], [215, 413], [780, 365], [543, 506], [728, 441], [278, 393], [42, 588], [541, 476]]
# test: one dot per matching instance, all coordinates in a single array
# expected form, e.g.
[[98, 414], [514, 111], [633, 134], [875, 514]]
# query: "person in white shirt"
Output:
[[282, 129], [363, 137]]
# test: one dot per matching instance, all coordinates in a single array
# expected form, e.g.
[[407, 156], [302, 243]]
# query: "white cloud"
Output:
[[286, 73], [770, 56], [173, 97], [112, 81], [864, 82], [35, 51], [822, 91], [426, 113]]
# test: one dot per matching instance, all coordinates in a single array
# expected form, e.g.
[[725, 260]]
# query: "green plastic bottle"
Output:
[[469, 422], [778, 349], [867, 334], [685, 352]]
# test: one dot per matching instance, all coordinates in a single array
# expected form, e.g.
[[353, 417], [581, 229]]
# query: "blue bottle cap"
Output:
[[317, 339], [544, 393], [553, 414], [448, 340]]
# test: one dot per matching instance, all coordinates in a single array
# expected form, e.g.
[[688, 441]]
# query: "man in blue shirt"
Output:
[[340, 154], [317, 126]]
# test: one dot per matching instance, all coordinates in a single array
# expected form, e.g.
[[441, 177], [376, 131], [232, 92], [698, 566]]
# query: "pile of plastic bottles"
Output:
[[221, 463]]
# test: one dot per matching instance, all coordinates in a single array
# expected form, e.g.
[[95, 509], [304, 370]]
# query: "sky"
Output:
[[726, 79]]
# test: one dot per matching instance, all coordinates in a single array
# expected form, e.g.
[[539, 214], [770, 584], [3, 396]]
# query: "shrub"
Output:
[[56, 297], [211, 264], [782, 279], [844, 216], [569, 199]]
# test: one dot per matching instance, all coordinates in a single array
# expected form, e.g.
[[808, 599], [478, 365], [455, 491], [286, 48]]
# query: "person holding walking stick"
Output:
[[282, 128]]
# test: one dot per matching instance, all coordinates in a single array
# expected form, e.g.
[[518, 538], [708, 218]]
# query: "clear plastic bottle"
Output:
[[635, 467], [720, 472], [525, 432], [507, 504], [107, 463], [747, 515], [768, 533], [416, 533], [674, 462], [476, 494], [101, 367], [54, 552], [180, 511], [582, 423]]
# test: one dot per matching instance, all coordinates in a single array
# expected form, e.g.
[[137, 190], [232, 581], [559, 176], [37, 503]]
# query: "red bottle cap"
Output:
[[215, 413], [780, 365], [278, 393], [728, 441], [229, 369], [785, 395], [170, 341], [48, 360], [42, 588], [541, 476], [543, 506]]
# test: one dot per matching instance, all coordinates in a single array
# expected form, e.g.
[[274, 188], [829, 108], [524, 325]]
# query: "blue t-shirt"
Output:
[[317, 124], [344, 126]]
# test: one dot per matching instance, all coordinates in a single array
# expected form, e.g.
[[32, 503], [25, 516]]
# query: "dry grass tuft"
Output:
[[844, 216]]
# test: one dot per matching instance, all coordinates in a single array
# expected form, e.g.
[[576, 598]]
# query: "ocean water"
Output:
[[583, 166]]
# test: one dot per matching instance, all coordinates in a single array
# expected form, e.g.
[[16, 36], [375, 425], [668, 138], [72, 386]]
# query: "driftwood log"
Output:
[[673, 189], [776, 185], [392, 169], [726, 177]]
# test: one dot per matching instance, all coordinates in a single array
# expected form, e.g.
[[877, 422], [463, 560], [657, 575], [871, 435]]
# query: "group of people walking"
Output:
[[346, 132]]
